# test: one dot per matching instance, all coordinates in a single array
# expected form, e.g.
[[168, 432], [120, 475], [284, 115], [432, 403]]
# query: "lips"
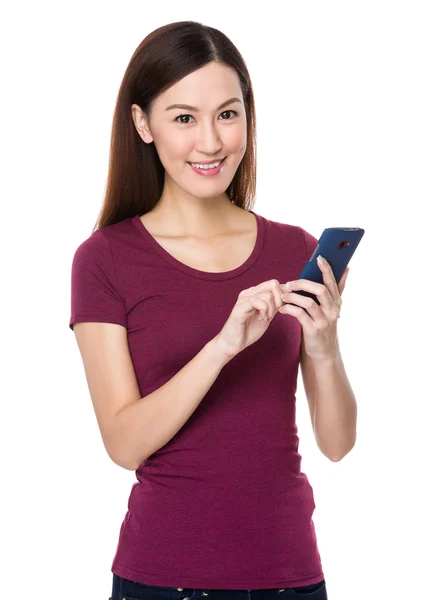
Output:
[[209, 162]]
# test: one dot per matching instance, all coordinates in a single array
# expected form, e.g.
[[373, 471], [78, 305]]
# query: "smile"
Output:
[[208, 170]]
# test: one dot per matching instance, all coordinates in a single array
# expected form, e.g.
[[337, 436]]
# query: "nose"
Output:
[[208, 140]]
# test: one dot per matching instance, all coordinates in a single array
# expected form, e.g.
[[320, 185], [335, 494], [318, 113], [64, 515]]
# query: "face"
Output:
[[211, 128]]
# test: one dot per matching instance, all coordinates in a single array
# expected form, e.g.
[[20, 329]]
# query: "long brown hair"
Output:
[[135, 174]]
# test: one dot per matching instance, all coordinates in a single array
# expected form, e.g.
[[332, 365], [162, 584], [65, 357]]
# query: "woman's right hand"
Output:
[[251, 316]]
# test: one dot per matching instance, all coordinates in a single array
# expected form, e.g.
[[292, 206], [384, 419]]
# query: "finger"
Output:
[[269, 299], [307, 304], [252, 303], [299, 313], [318, 289], [262, 306], [271, 285], [327, 292], [328, 277], [342, 282]]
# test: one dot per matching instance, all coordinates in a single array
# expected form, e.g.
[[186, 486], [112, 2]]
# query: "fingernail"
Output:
[[321, 259], [289, 285]]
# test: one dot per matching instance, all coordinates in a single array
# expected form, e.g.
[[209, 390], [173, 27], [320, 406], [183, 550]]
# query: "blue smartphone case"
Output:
[[336, 245]]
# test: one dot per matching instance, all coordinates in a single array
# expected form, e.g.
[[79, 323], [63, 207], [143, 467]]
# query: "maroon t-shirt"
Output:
[[224, 504]]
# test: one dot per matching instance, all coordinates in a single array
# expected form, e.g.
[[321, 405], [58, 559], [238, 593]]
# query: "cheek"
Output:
[[173, 147], [180, 145], [236, 140]]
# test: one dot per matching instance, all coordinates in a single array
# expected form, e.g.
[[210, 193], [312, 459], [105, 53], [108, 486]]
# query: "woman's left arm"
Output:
[[332, 404]]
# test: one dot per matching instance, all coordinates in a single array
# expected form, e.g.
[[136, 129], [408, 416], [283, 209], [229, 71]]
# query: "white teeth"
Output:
[[211, 166]]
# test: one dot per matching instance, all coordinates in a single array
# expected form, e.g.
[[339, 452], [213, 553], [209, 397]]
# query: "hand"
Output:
[[246, 323], [319, 323]]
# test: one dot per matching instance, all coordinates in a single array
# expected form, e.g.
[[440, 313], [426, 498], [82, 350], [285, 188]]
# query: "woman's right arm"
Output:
[[133, 428]]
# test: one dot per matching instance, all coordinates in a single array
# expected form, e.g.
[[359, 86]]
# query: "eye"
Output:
[[188, 122]]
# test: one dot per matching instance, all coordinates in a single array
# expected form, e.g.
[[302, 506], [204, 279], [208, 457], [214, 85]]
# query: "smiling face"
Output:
[[208, 124]]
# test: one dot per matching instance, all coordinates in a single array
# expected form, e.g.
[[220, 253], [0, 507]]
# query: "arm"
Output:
[[132, 427], [332, 404], [151, 422]]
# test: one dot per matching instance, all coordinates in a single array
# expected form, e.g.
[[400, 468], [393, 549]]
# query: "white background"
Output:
[[351, 104]]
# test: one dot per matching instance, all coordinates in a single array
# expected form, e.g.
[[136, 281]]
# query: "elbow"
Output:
[[340, 456], [335, 458], [121, 452], [118, 451], [120, 459], [128, 463]]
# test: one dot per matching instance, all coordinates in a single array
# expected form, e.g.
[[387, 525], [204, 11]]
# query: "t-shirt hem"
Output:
[[147, 579]]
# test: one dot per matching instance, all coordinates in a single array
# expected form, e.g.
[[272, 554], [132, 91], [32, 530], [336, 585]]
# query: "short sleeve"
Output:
[[311, 243], [94, 296]]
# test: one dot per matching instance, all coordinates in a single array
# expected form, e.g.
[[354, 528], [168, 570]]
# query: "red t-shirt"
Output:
[[224, 504]]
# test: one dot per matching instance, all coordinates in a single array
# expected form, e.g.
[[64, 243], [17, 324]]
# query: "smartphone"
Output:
[[336, 245]]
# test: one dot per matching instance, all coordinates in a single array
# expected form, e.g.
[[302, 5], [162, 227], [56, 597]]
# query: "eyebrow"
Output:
[[187, 107]]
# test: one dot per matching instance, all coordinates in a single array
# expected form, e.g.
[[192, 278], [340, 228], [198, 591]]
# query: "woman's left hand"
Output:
[[319, 323]]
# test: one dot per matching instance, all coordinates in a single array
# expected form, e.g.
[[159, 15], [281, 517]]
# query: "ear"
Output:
[[141, 124]]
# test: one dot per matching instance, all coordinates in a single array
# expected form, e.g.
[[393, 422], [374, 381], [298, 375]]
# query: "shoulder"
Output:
[[294, 233], [103, 243], [93, 250], [94, 291]]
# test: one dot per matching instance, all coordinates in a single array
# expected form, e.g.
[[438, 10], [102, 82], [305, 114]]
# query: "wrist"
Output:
[[328, 360], [220, 350]]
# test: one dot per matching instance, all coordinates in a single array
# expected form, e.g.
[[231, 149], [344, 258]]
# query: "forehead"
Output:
[[205, 88]]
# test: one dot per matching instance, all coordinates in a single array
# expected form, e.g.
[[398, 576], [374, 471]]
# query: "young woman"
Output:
[[191, 345]]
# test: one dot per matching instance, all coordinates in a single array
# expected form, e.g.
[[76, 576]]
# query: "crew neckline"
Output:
[[221, 275]]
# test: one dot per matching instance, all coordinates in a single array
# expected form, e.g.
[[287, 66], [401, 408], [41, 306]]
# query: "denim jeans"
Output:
[[125, 589]]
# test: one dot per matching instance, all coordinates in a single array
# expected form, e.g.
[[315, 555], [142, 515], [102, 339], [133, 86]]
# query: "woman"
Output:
[[191, 370]]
